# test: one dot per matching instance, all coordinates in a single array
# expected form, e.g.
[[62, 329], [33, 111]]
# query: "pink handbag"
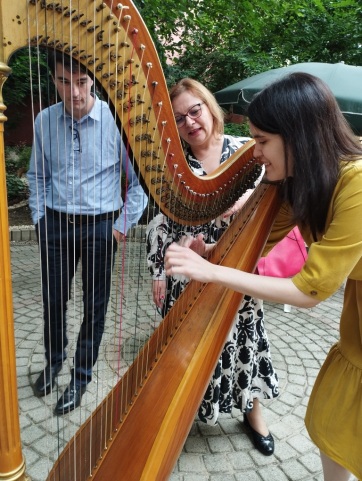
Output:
[[286, 258]]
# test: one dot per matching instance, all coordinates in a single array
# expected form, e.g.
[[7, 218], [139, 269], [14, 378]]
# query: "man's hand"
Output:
[[118, 236]]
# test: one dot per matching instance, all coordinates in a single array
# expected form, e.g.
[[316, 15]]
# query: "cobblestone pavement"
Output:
[[299, 339]]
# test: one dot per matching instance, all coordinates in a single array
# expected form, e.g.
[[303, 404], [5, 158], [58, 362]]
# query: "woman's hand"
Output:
[[197, 244], [182, 260], [159, 292]]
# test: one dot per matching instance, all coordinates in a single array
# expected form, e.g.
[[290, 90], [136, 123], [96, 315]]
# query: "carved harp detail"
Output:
[[143, 435], [112, 42]]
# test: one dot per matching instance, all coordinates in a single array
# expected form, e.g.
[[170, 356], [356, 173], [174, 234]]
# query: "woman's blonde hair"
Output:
[[197, 89]]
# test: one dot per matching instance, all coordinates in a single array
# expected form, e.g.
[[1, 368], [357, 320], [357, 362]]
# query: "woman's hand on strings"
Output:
[[197, 244], [159, 292], [183, 260]]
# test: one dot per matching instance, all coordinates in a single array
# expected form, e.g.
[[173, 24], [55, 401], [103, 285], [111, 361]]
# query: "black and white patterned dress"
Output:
[[244, 371]]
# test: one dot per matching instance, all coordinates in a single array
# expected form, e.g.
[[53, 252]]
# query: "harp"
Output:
[[111, 40]]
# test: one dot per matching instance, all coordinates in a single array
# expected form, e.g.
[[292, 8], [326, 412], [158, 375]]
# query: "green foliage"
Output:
[[29, 76], [222, 41], [16, 165], [16, 188], [241, 130], [17, 159], [219, 42]]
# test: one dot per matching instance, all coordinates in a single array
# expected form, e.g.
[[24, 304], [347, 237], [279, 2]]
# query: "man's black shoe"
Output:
[[45, 382], [70, 399]]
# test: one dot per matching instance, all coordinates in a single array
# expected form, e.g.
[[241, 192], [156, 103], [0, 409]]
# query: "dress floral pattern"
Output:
[[244, 371]]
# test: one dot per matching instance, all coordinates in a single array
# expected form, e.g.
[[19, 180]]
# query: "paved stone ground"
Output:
[[300, 340]]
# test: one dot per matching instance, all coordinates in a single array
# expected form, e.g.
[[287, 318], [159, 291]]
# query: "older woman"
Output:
[[244, 373]]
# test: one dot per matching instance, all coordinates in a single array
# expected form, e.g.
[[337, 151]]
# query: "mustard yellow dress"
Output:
[[334, 413]]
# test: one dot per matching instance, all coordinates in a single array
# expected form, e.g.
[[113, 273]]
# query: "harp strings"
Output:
[[142, 109], [76, 303]]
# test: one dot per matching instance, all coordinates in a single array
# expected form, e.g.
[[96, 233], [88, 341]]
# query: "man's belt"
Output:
[[84, 219]]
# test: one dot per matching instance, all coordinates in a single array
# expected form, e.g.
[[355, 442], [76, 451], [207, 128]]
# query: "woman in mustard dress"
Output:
[[303, 139]]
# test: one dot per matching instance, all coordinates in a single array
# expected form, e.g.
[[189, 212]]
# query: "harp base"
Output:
[[18, 475]]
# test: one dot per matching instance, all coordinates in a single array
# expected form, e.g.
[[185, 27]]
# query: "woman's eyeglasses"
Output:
[[194, 112]]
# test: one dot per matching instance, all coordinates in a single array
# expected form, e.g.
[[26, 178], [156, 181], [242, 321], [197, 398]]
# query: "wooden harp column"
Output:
[[111, 40], [12, 463]]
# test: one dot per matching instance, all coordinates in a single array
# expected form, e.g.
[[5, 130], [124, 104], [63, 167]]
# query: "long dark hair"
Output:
[[303, 111]]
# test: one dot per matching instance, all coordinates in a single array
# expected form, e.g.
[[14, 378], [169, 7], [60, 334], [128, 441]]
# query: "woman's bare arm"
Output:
[[182, 260]]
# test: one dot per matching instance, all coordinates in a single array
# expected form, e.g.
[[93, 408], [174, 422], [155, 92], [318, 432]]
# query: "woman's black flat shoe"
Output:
[[264, 444]]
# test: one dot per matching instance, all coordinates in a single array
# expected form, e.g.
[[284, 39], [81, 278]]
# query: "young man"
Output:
[[75, 198]]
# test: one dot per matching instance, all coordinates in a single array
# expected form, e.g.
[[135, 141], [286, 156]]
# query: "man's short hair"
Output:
[[69, 63]]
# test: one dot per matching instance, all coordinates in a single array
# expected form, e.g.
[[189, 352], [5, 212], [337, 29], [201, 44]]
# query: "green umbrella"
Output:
[[345, 81]]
